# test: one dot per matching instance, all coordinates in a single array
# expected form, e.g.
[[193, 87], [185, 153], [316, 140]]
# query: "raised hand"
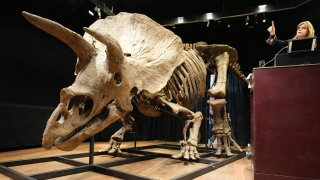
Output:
[[272, 29]]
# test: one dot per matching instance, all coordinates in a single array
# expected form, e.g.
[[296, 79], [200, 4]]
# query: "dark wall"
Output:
[[22, 126], [249, 41], [35, 66]]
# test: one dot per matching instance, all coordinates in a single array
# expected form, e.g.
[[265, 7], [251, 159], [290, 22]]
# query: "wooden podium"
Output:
[[286, 122]]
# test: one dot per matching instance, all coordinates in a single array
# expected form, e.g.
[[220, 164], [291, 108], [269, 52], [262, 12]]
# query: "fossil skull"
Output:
[[98, 97], [136, 54]]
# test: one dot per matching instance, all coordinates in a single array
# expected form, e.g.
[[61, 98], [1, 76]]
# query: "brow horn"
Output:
[[114, 49], [77, 43]]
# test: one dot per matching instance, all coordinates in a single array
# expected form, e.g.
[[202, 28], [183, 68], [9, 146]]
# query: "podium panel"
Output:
[[286, 123], [298, 58]]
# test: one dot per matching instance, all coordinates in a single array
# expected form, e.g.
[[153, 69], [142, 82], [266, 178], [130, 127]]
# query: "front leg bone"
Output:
[[117, 138], [194, 153], [188, 147], [183, 145], [113, 147], [187, 151], [194, 131], [115, 142]]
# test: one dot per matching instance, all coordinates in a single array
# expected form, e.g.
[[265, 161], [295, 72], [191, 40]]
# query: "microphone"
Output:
[[275, 56]]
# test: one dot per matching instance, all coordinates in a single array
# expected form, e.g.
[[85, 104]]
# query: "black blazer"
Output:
[[273, 40]]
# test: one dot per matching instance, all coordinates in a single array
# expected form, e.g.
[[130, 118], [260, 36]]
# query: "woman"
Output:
[[304, 29]]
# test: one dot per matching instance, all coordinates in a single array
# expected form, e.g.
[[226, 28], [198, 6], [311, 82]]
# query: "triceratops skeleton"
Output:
[[123, 59]]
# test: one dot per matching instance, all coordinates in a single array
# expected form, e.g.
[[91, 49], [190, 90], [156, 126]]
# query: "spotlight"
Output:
[[247, 21], [228, 25], [264, 18]]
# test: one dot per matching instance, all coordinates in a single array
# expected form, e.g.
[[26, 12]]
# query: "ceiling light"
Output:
[[262, 8], [209, 16], [180, 20]]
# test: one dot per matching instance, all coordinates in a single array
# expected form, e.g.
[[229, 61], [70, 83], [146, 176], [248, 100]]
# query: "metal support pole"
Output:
[[205, 110], [91, 153], [135, 140]]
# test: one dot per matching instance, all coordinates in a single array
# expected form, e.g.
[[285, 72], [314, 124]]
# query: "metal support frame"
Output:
[[104, 168]]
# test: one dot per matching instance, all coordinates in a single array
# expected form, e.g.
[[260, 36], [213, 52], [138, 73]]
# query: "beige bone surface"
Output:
[[129, 58]]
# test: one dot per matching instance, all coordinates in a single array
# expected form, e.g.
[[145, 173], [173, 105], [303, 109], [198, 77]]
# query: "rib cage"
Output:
[[185, 87], [188, 81]]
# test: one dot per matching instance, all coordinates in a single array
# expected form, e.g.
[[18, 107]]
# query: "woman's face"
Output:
[[302, 31]]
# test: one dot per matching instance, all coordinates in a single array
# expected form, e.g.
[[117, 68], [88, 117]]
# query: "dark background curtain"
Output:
[[22, 126], [238, 105]]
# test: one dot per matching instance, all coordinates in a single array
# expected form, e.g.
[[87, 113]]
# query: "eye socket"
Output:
[[117, 78], [134, 91]]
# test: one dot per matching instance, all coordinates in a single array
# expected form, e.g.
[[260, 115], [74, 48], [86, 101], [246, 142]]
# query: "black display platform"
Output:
[[129, 156]]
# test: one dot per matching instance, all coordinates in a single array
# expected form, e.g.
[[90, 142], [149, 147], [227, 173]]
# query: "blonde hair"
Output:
[[309, 28]]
